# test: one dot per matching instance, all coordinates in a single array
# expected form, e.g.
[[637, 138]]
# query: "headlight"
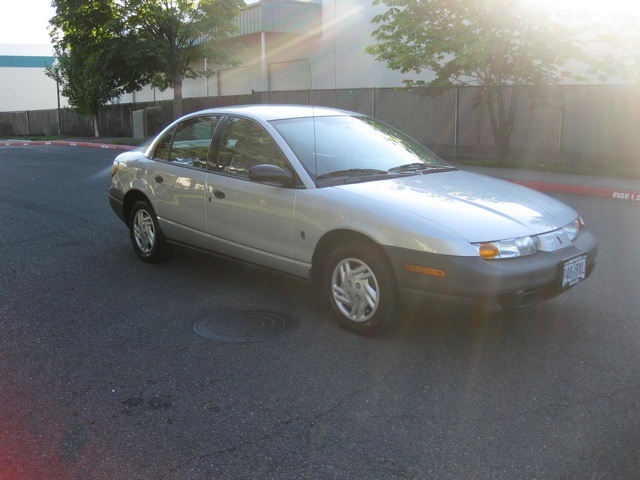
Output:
[[513, 247], [574, 228], [521, 246]]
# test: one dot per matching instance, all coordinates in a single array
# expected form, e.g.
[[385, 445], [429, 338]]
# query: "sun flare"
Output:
[[597, 7]]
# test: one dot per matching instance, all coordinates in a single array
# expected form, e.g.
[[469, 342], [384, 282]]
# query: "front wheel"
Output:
[[361, 288], [146, 236]]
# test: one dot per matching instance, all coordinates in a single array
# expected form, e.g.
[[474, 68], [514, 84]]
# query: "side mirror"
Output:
[[272, 174]]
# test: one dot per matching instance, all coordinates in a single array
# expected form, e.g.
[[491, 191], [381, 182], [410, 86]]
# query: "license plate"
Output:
[[574, 270]]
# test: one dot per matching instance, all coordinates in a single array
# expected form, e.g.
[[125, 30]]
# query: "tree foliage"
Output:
[[85, 94], [98, 60], [180, 33], [106, 48], [486, 43]]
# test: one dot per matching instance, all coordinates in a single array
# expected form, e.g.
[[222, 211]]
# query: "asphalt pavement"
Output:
[[626, 190], [103, 375]]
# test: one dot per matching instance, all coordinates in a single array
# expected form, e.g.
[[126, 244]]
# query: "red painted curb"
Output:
[[616, 194]]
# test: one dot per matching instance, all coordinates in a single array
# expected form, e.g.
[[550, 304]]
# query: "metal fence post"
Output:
[[562, 126], [456, 122], [373, 102]]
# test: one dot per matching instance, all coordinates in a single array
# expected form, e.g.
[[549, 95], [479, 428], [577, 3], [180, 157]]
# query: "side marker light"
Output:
[[425, 270]]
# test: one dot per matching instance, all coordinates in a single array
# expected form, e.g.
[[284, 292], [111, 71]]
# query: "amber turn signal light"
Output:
[[488, 250], [424, 270]]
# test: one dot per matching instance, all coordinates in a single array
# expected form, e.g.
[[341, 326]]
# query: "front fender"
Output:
[[320, 212], [129, 184]]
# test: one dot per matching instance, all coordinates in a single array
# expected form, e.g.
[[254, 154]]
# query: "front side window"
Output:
[[244, 144], [188, 143]]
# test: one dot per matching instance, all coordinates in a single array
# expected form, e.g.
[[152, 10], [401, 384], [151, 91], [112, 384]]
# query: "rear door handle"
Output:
[[218, 194], [158, 179]]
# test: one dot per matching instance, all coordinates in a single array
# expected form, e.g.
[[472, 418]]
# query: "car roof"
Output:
[[278, 112]]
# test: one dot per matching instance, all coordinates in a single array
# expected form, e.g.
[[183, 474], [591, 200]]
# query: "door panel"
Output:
[[250, 220], [179, 177], [180, 195]]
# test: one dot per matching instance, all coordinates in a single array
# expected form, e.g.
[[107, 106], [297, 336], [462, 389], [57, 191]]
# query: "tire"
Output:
[[146, 236], [361, 288]]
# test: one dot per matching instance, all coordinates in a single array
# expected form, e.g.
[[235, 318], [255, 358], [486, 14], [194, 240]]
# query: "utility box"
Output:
[[147, 122], [138, 124]]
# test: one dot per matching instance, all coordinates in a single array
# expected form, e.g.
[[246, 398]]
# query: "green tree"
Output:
[[106, 48], [96, 63], [85, 94], [622, 60], [178, 34], [488, 43]]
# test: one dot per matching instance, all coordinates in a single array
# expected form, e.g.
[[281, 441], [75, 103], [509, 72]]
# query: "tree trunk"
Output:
[[178, 109], [502, 117], [503, 142], [96, 128]]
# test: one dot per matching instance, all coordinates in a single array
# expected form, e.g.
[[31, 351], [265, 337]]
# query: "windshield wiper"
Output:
[[418, 167], [351, 172]]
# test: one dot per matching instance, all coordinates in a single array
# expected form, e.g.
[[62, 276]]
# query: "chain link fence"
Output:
[[570, 124]]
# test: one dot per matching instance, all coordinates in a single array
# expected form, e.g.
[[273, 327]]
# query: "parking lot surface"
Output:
[[103, 376]]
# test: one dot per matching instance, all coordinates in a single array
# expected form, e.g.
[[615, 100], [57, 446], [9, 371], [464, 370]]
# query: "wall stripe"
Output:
[[20, 61]]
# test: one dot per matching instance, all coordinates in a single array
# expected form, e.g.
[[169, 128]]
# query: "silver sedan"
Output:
[[370, 215]]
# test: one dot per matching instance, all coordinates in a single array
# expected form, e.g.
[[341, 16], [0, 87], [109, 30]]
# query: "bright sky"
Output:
[[26, 21], [604, 7]]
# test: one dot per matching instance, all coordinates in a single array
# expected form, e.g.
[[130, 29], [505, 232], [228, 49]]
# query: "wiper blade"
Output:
[[418, 167], [351, 172]]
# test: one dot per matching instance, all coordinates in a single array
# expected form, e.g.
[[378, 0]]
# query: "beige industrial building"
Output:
[[288, 45], [25, 86]]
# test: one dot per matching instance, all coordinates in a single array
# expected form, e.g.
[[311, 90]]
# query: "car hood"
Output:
[[476, 207]]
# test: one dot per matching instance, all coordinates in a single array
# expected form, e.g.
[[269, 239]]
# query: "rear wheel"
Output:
[[146, 236], [361, 288]]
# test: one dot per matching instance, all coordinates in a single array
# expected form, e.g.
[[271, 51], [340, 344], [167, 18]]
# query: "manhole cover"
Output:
[[245, 325]]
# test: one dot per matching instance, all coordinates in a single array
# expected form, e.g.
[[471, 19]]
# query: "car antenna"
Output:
[[313, 119]]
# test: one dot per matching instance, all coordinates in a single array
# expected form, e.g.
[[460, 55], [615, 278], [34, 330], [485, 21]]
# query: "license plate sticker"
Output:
[[574, 270]]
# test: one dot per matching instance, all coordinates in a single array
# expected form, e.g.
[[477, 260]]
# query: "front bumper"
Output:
[[499, 284]]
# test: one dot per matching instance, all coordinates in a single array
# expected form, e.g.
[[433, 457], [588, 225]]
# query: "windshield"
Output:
[[354, 147]]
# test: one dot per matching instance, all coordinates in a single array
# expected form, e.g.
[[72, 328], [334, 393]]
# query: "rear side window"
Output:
[[188, 142]]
